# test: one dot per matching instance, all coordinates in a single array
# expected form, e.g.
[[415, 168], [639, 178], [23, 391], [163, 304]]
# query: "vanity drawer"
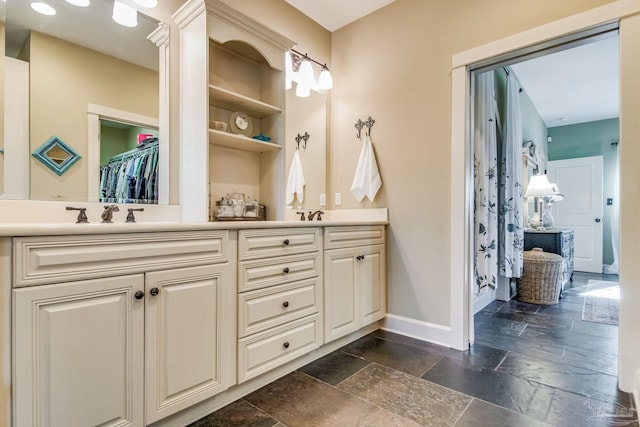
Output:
[[253, 244], [347, 237], [261, 273], [267, 350], [266, 308], [54, 259]]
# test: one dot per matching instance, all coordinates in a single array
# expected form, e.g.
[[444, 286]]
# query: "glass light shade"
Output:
[[306, 74], [539, 186], [302, 90], [124, 14], [146, 3], [43, 8], [325, 81], [79, 3], [288, 71]]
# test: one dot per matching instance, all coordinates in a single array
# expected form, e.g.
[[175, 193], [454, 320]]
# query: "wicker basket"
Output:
[[541, 280]]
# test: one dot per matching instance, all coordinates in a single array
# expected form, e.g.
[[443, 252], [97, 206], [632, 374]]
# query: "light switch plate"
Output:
[[323, 199], [338, 199]]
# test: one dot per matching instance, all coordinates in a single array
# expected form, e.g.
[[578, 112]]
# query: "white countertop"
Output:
[[331, 218]]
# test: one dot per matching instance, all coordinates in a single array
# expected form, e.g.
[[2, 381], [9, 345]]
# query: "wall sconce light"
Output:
[[299, 69]]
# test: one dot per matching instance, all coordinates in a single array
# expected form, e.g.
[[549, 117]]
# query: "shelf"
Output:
[[240, 142], [232, 101]]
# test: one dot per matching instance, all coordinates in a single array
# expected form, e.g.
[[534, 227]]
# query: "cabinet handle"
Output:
[[360, 257], [154, 291], [286, 270], [598, 220], [286, 242], [285, 304], [286, 344], [139, 295]]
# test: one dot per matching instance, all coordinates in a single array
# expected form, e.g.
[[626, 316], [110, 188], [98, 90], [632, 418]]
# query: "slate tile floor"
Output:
[[531, 365]]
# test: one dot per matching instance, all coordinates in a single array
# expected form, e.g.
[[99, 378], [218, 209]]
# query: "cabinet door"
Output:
[[78, 353], [371, 281], [355, 289], [339, 293], [190, 337]]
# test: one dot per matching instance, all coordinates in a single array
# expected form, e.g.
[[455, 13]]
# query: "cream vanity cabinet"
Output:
[[232, 76], [121, 330], [355, 284], [279, 297]]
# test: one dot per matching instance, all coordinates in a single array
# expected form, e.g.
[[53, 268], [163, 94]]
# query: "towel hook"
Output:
[[304, 138], [369, 124], [359, 125]]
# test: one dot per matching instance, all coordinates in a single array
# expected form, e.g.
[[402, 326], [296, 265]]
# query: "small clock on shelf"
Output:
[[239, 123]]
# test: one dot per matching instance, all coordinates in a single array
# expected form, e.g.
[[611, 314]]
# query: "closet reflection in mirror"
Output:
[[68, 63], [308, 115]]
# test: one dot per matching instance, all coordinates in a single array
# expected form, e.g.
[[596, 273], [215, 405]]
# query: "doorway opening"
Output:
[[578, 336]]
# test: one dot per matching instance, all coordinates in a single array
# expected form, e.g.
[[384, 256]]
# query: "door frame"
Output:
[[461, 207]]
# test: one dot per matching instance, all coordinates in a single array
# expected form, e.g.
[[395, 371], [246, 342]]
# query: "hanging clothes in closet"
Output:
[[131, 177]]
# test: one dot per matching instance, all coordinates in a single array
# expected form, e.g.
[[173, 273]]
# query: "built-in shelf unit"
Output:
[[230, 64]]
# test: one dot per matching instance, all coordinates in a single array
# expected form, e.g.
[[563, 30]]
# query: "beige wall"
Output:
[[61, 71], [394, 65], [2, 102]]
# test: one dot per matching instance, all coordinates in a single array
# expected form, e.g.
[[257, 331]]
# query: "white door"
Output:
[[580, 180]]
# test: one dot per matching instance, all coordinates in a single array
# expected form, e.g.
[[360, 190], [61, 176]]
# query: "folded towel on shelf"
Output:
[[366, 181], [295, 182]]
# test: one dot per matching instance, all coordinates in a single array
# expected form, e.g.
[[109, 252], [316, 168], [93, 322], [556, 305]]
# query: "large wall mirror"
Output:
[[308, 115], [85, 111]]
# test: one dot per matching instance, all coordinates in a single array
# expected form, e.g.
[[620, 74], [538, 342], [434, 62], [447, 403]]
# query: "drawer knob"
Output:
[[154, 291], [360, 257], [286, 242], [285, 304], [139, 295], [285, 270], [286, 344]]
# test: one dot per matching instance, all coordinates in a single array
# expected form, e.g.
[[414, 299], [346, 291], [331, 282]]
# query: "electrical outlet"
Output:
[[323, 199], [338, 199]]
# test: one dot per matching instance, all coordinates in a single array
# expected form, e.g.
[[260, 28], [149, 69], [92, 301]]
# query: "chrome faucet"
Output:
[[312, 214]]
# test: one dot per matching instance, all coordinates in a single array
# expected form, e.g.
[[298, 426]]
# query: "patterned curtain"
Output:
[[511, 187], [486, 184]]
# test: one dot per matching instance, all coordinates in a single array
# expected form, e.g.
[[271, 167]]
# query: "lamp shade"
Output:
[[305, 74], [325, 81], [302, 90], [539, 186]]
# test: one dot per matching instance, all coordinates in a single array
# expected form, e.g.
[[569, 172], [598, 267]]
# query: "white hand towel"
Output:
[[295, 182], [366, 181]]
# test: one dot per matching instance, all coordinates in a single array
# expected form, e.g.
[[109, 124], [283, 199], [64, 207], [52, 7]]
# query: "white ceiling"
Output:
[[335, 14], [91, 27], [575, 85]]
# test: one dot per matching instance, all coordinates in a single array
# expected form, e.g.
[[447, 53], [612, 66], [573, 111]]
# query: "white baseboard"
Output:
[[425, 331], [483, 300]]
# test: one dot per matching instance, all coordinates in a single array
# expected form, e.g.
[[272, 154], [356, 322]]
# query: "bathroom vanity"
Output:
[[140, 324]]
